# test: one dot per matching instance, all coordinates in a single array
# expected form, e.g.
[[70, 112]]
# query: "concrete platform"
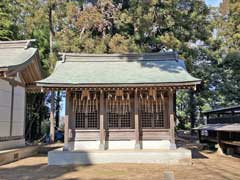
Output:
[[12, 144], [179, 156], [11, 155]]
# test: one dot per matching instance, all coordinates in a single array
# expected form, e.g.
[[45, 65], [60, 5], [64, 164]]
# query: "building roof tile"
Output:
[[15, 53], [118, 69]]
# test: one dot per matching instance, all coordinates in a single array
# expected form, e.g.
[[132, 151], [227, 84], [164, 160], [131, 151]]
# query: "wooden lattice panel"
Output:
[[151, 111], [119, 110], [86, 109]]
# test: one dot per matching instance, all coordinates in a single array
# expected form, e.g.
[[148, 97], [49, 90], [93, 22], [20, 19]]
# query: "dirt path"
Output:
[[206, 165]]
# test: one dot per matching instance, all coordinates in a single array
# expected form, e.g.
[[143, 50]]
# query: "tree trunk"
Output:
[[51, 35], [52, 124], [51, 31], [192, 106], [58, 99]]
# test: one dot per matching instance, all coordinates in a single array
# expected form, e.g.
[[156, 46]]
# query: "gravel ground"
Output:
[[206, 165]]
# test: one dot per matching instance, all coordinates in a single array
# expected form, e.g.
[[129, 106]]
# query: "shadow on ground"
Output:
[[42, 172], [195, 149], [46, 148]]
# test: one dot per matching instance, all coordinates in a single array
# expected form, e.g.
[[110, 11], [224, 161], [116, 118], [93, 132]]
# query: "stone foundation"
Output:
[[7, 156], [163, 144], [12, 144], [179, 156]]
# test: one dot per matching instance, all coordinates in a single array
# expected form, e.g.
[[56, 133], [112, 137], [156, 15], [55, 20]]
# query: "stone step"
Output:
[[11, 155]]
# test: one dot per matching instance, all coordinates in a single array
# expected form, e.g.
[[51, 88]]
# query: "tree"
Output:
[[164, 24], [36, 21], [8, 29], [230, 24], [229, 34], [231, 78]]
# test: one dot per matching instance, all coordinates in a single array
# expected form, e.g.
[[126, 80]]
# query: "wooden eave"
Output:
[[122, 85], [162, 86], [12, 81], [29, 72], [30, 65]]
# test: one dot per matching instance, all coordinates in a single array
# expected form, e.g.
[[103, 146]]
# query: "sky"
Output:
[[214, 3]]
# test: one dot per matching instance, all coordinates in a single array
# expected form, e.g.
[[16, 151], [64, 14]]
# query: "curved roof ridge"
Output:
[[76, 57], [17, 44], [118, 54], [18, 58]]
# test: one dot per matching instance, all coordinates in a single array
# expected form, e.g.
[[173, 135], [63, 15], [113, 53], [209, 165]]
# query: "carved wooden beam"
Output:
[[13, 82]]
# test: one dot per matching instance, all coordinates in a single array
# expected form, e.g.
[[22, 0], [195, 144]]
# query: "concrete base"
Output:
[[83, 145], [116, 145], [7, 156], [12, 144], [156, 144], [179, 156], [173, 146], [120, 144], [102, 147], [138, 146]]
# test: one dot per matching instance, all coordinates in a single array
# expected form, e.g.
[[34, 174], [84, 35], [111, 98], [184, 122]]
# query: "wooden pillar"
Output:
[[136, 120], [66, 133], [67, 102], [171, 119], [52, 110], [218, 137], [25, 112], [66, 122], [102, 122], [11, 111]]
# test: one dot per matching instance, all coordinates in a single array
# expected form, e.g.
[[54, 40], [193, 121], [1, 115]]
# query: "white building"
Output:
[[19, 68]]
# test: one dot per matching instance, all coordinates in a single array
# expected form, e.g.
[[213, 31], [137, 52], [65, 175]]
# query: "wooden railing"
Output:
[[222, 120]]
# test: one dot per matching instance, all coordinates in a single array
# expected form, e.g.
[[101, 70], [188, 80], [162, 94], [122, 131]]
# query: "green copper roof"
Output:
[[14, 53], [82, 69]]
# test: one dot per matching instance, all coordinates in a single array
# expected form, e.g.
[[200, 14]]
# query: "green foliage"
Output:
[[157, 24], [45, 127], [231, 77], [131, 26], [217, 63], [36, 115], [229, 28], [121, 44], [8, 28]]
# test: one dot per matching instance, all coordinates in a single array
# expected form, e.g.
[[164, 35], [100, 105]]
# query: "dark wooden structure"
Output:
[[119, 101], [223, 128], [20, 67]]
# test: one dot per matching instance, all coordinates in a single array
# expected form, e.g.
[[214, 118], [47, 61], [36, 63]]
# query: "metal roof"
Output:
[[117, 69], [220, 127], [15, 53], [230, 108], [20, 58]]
